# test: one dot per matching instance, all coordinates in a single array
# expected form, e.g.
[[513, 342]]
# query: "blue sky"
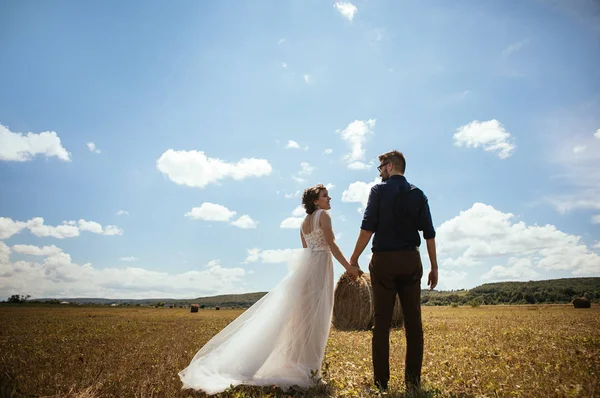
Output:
[[158, 150]]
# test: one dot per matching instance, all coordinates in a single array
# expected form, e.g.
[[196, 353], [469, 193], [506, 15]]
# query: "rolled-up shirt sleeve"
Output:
[[370, 217], [425, 221]]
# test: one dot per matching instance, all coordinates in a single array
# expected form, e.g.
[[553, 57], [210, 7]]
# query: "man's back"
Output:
[[396, 211]]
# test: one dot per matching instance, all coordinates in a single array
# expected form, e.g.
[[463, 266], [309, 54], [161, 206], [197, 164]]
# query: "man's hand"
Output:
[[433, 278], [354, 271]]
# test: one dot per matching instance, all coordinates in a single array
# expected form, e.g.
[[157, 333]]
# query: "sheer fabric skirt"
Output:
[[280, 340]]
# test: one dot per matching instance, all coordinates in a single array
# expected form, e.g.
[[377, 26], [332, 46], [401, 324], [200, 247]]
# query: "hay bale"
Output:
[[353, 305], [582, 302], [194, 307], [217, 308]]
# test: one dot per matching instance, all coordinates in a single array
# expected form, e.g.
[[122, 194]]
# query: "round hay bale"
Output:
[[353, 304], [217, 308], [582, 302], [194, 307]]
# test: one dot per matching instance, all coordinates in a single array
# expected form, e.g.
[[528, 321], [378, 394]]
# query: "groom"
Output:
[[396, 211]]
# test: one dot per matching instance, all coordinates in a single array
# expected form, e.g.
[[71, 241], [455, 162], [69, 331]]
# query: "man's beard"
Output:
[[384, 177]]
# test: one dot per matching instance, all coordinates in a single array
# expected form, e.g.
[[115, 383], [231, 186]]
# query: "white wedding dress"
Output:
[[281, 339]]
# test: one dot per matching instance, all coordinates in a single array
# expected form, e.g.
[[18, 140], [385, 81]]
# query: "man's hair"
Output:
[[310, 195], [396, 158]]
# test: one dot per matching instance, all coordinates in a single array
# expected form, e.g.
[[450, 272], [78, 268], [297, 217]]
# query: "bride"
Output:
[[281, 339]]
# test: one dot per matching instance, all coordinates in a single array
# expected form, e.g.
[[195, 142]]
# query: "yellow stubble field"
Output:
[[487, 351]]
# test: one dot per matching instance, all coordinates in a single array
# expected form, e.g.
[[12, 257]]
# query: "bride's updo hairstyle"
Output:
[[309, 196]]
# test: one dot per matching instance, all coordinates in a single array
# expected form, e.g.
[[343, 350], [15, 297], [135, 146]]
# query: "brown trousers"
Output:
[[397, 272]]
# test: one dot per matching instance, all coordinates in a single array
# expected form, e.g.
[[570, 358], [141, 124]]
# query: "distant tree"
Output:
[[17, 298]]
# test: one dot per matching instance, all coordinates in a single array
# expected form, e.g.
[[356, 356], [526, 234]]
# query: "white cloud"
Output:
[[195, 169], [307, 79], [490, 135], [281, 41], [22, 147], [211, 212], [597, 134], [517, 269], [596, 219], [358, 192], [122, 213], [329, 151], [292, 145], [128, 259], [299, 211], [359, 166], [8, 227], [284, 65], [271, 256], [293, 195], [482, 233], [112, 230], [579, 148], [356, 134], [90, 226], [92, 147], [215, 212], [305, 170], [330, 186], [596, 245], [36, 250], [347, 9], [57, 276], [447, 278], [294, 222], [68, 229], [514, 48], [245, 222]]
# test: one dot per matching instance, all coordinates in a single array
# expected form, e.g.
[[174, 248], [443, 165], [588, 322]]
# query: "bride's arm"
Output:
[[303, 241], [325, 221]]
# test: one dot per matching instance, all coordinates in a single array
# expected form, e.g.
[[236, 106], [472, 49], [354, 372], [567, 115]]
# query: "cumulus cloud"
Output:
[[329, 151], [579, 148], [296, 194], [195, 169], [36, 250], [271, 256], [58, 276], [490, 135], [305, 170], [92, 147], [292, 145], [347, 9], [68, 229], [358, 192], [483, 234], [245, 222], [122, 213], [597, 134], [215, 212], [20, 147], [355, 135], [295, 221], [128, 259], [307, 79], [517, 269]]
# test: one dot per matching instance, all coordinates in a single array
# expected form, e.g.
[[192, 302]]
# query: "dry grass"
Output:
[[516, 351]]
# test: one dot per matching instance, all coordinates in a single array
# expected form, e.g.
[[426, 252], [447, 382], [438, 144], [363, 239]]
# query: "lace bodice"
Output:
[[315, 240]]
